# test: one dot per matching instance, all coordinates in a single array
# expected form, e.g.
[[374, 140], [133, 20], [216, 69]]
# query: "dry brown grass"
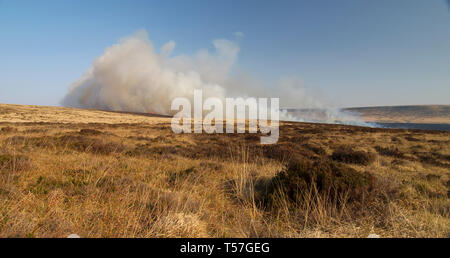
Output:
[[126, 176]]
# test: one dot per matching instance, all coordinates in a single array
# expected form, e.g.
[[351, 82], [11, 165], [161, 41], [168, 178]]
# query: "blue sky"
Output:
[[355, 52]]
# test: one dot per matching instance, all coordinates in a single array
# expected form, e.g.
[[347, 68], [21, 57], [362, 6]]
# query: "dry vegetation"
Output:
[[127, 176]]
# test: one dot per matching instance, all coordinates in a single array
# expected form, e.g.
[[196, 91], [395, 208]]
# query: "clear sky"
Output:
[[356, 52]]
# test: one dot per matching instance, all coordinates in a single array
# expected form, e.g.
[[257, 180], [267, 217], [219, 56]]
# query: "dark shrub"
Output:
[[412, 139], [36, 130], [8, 129], [252, 137], [395, 139], [180, 175], [326, 176], [86, 144], [14, 162], [45, 185], [299, 139], [151, 151], [286, 151], [90, 132], [315, 148], [16, 140], [431, 177], [211, 165], [398, 162], [346, 154], [280, 152], [430, 158], [389, 151], [442, 156]]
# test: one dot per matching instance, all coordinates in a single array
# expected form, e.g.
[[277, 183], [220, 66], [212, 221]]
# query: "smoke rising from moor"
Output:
[[132, 76]]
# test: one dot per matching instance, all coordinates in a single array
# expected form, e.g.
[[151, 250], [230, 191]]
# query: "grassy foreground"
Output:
[[130, 176]]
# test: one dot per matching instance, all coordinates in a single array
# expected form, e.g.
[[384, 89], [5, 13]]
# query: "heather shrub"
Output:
[[389, 151], [14, 162], [326, 177], [346, 154]]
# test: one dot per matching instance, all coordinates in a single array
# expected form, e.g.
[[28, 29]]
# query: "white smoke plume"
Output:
[[132, 76]]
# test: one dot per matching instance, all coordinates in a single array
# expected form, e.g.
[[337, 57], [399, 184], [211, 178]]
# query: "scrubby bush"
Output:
[[396, 139], [324, 176], [15, 140], [45, 185], [286, 151], [148, 150], [317, 149], [431, 158], [90, 132], [412, 139], [279, 152], [8, 129], [389, 151], [346, 154], [87, 144], [14, 162]]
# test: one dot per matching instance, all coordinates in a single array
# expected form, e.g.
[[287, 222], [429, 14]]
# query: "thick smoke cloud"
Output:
[[132, 76]]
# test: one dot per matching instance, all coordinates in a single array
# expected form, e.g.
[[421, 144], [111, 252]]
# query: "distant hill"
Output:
[[432, 114]]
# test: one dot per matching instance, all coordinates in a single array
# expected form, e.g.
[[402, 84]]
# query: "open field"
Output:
[[108, 174]]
